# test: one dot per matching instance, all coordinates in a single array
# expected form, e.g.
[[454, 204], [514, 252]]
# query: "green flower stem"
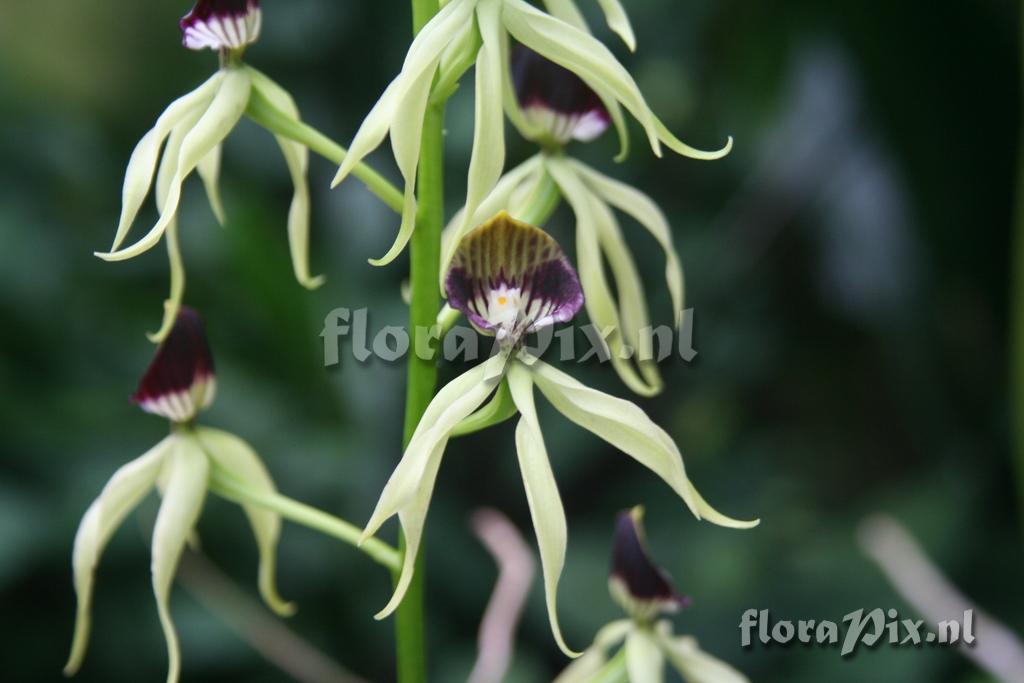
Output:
[[421, 376], [306, 515], [1017, 325], [265, 114]]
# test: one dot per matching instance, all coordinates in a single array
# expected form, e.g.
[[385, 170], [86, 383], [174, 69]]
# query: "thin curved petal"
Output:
[[625, 426], [168, 167], [219, 119], [239, 461], [126, 488], [209, 172], [618, 21], [601, 305], [296, 156], [182, 503], [409, 488], [488, 158], [546, 508], [642, 208], [693, 664], [644, 659], [567, 11], [142, 164], [427, 48]]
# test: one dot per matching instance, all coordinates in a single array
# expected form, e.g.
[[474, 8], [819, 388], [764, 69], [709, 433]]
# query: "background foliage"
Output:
[[847, 263]]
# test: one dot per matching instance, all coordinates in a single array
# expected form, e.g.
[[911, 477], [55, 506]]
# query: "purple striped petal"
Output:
[[180, 380], [555, 99], [640, 586], [511, 278], [222, 24]]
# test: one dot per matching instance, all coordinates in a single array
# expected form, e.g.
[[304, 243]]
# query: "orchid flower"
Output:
[[561, 108], [178, 384], [191, 132], [511, 279], [465, 32], [644, 591]]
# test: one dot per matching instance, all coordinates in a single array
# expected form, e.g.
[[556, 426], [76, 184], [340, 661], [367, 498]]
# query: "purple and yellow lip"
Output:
[[511, 278]]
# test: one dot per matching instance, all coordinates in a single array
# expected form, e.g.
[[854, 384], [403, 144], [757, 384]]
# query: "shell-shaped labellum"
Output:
[[555, 99], [222, 24], [511, 278], [637, 583], [180, 380]]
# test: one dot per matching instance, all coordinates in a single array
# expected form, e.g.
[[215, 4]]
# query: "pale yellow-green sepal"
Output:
[[122, 493], [546, 509], [237, 460]]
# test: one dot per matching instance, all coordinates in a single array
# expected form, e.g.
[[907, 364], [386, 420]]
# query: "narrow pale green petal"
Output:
[[413, 517], [452, 404], [168, 169], [680, 147], [644, 659], [509, 98], [488, 158], [500, 408], [632, 306], [126, 488], [182, 503], [582, 54], [240, 462], [209, 171], [139, 176], [296, 156], [625, 426], [426, 50], [642, 208], [600, 303], [542, 495], [695, 665], [500, 199], [457, 59], [406, 136], [219, 119], [612, 634], [567, 11], [618, 21]]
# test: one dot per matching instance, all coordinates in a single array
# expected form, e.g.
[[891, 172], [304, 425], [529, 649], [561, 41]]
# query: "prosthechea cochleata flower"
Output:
[[510, 279], [562, 108], [468, 32], [191, 132], [178, 384], [645, 592]]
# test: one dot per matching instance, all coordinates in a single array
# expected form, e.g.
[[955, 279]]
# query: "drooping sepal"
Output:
[[556, 101], [180, 381], [221, 24], [640, 586], [511, 278]]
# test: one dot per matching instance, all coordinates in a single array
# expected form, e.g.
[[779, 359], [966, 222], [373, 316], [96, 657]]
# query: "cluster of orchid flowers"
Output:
[[508, 277]]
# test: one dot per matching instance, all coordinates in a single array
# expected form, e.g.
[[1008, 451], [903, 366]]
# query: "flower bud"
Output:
[[641, 587], [180, 380], [555, 100], [221, 24]]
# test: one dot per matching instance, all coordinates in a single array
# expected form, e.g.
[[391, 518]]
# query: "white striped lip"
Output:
[[222, 25]]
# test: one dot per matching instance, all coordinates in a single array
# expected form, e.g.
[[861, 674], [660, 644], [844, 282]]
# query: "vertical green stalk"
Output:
[[421, 378], [1017, 304]]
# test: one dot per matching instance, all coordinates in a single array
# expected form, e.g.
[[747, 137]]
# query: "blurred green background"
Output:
[[848, 265]]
